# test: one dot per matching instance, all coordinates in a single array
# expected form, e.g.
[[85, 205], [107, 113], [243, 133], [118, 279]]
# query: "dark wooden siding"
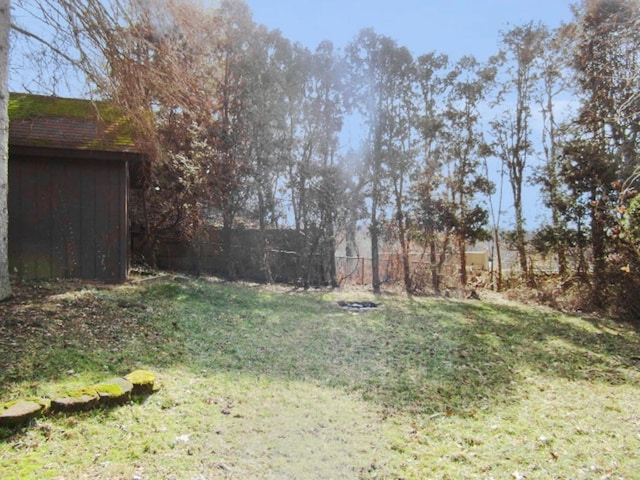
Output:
[[68, 218]]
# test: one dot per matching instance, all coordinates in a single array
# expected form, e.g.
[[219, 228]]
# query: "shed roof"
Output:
[[68, 123]]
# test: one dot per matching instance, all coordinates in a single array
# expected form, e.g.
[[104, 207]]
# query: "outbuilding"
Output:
[[69, 163]]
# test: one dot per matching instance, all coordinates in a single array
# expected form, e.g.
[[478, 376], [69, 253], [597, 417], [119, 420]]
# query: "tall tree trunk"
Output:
[[463, 262], [375, 255], [433, 261], [496, 236], [330, 255], [304, 259], [598, 249], [582, 268], [521, 247], [227, 254], [402, 237], [374, 228], [560, 248], [149, 246], [404, 248], [5, 22], [462, 244], [553, 181], [265, 248]]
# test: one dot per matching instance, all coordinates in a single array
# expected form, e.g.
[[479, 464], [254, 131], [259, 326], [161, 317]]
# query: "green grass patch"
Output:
[[275, 383]]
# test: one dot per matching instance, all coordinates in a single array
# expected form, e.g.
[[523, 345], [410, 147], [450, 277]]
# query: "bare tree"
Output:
[[168, 65], [432, 208], [555, 80], [400, 147], [375, 63], [512, 130], [464, 150], [314, 99]]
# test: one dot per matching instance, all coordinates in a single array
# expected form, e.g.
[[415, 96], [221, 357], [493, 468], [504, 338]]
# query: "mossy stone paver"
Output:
[[21, 411], [76, 400], [115, 391], [144, 382]]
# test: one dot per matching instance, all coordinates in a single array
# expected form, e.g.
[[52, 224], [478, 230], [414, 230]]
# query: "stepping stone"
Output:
[[143, 382], [76, 400], [20, 412], [115, 391]]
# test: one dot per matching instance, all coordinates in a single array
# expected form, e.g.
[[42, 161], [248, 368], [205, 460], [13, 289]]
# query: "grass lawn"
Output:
[[271, 383]]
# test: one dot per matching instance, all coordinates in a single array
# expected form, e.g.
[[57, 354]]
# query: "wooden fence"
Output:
[[280, 261]]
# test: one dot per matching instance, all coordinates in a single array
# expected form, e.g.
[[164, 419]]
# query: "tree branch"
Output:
[[53, 48]]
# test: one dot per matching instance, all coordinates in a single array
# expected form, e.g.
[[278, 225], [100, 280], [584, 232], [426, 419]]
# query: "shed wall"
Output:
[[68, 218]]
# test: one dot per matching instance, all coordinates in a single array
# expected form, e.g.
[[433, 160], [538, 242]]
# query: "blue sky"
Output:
[[453, 27]]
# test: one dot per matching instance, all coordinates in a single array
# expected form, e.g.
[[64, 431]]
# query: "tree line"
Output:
[[243, 125]]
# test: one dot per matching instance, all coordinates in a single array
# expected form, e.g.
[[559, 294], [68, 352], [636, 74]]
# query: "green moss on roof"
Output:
[[24, 106]]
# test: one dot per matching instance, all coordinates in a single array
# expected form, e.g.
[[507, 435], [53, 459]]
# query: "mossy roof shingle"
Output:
[[71, 123]]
